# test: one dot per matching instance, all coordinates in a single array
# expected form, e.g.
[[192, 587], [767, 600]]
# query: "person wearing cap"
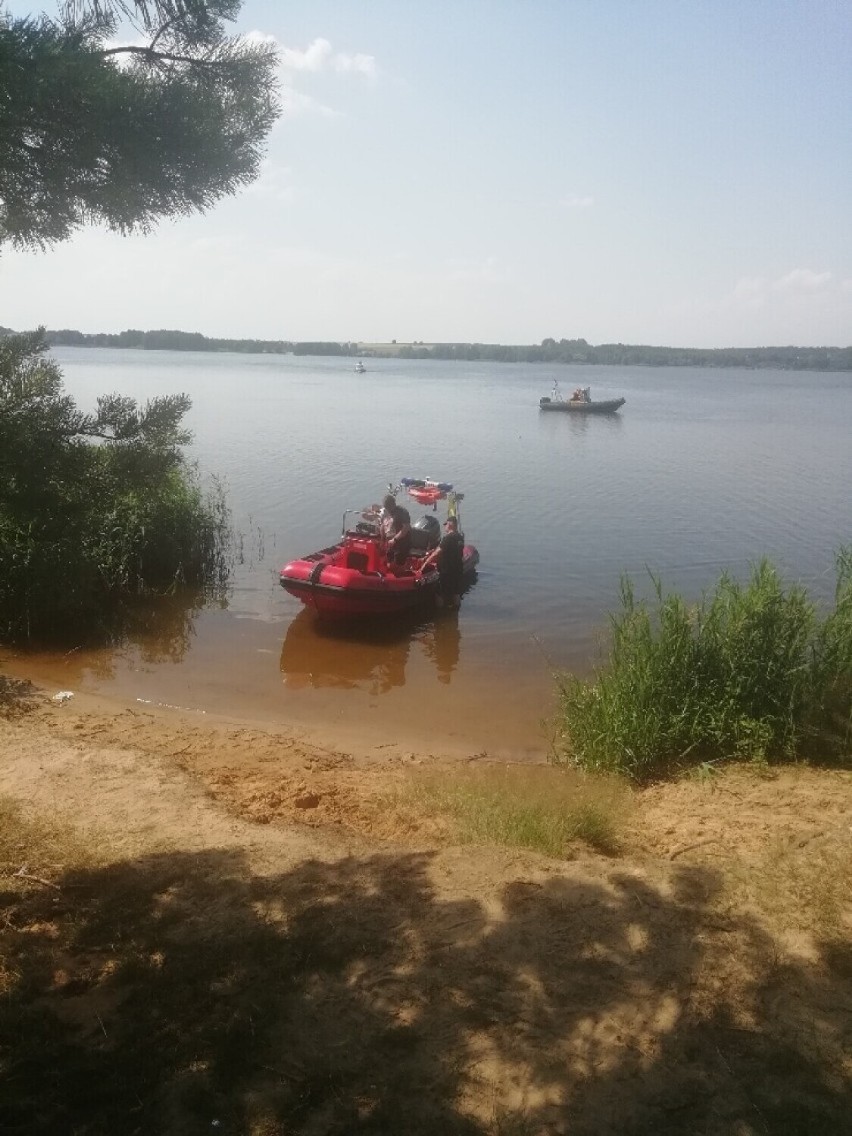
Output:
[[449, 555]]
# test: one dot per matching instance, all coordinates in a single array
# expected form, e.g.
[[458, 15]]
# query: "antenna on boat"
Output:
[[453, 507]]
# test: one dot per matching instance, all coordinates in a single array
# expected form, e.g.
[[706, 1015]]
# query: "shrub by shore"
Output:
[[752, 671], [97, 510]]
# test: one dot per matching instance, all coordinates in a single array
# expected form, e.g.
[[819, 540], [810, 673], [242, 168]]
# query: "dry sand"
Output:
[[696, 982]]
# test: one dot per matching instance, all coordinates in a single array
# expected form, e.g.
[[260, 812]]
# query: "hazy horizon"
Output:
[[368, 343]]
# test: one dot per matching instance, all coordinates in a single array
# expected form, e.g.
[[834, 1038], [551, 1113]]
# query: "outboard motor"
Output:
[[426, 532]]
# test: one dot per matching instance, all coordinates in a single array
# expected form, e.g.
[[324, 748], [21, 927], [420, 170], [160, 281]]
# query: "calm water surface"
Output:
[[702, 470]]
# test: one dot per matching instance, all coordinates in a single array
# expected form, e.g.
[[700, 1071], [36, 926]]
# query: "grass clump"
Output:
[[17, 697], [802, 888], [542, 809], [44, 846], [751, 671]]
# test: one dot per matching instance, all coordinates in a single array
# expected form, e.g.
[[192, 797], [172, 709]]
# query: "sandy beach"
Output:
[[696, 978]]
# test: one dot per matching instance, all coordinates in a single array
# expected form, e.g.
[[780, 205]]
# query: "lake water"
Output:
[[702, 470]]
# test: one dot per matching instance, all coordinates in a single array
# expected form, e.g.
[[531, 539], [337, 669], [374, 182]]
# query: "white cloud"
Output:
[[294, 104], [262, 39], [320, 56], [801, 280], [576, 201], [313, 58], [800, 306], [358, 64], [757, 291]]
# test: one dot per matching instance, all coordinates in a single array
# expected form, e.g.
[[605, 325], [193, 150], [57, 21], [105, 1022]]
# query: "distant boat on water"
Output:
[[360, 368], [580, 402]]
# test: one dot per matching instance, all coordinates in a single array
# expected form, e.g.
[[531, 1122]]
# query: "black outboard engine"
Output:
[[426, 532]]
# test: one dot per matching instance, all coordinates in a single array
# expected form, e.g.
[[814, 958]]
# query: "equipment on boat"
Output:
[[354, 578], [426, 492], [580, 402]]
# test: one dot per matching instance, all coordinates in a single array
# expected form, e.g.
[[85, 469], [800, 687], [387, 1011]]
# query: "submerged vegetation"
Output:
[[752, 671], [96, 511]]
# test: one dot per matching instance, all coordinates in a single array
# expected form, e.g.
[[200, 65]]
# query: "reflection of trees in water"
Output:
[[162, 628], [155, 630]]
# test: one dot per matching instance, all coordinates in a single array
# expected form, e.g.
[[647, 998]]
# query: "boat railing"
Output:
[[365, 522]]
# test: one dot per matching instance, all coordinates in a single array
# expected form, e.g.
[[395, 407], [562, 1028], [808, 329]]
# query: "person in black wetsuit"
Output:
[[397, 531], [449, 555]]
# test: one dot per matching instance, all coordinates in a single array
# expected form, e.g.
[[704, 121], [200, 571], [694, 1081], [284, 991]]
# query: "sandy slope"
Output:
[[683, 986]]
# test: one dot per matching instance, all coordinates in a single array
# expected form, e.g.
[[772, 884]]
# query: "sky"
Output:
[[668, 172]]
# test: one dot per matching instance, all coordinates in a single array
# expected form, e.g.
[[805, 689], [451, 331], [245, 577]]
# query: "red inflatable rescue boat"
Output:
[[354, 578]]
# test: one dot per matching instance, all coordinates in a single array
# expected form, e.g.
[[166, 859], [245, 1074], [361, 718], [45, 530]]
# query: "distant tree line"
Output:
[[166, 341], [548, 351], [625, 354]]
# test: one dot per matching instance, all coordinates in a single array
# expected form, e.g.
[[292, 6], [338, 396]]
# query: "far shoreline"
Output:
[[569, 353]]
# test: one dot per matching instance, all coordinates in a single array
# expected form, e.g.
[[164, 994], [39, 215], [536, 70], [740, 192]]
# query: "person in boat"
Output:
[[450, 557], [577, 396], [396, 526]]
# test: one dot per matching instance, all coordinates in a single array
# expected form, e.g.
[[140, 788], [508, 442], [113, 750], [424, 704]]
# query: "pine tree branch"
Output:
[[158, 56]]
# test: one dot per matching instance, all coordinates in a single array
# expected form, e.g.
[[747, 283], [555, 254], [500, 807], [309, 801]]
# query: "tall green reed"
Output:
[[749, 671], [830, 720]]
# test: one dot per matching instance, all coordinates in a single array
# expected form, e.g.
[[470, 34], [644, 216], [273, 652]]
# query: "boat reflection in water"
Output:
[[370, 658], [442, 643]]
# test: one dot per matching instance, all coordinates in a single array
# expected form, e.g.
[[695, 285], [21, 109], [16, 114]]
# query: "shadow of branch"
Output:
[[183, 994]]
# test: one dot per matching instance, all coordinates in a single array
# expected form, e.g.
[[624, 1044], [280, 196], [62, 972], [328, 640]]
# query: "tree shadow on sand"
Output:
[[182, 994]]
